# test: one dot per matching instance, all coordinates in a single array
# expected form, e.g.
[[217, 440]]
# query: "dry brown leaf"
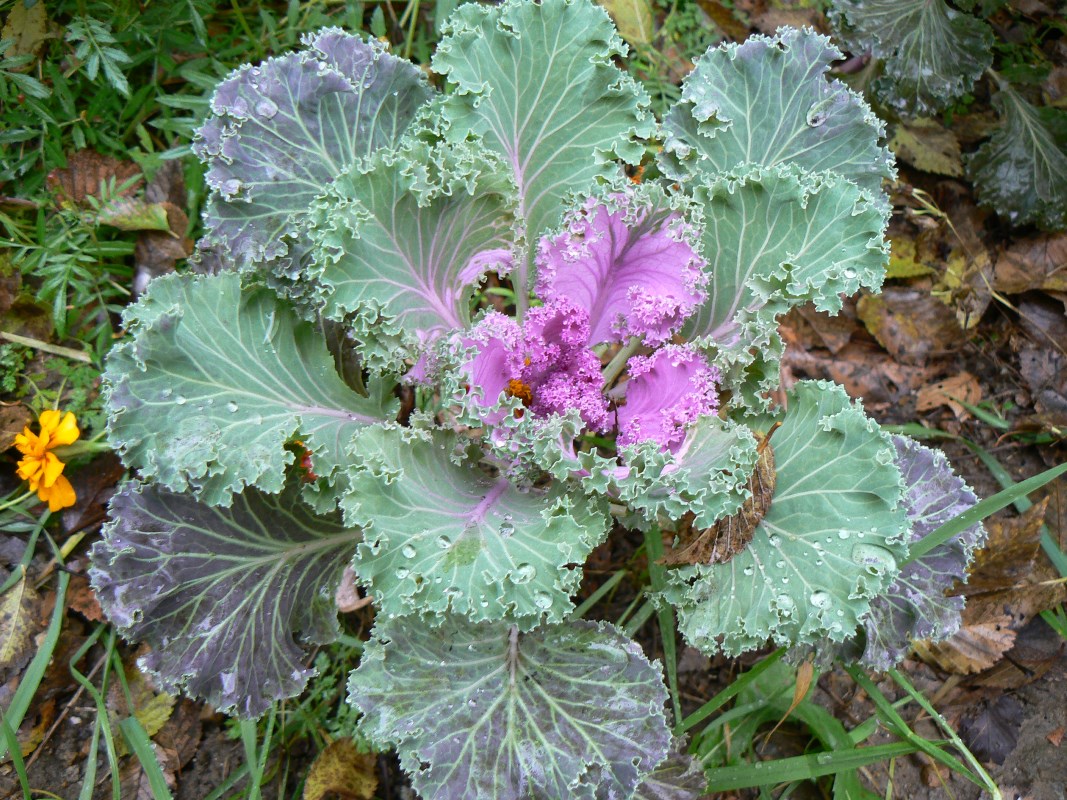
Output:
[[971, 649], [86, 171], [910, 324], [342, 770], [633, 18], [963, 387], [13, 418], [1007, 559], [1039, 263], [928, 146], [1055, 738], [21, 618], [133, 780], [82, 598], [723, 18]]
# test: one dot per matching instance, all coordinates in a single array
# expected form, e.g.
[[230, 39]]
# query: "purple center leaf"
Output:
[[666, 392], [634, 272]]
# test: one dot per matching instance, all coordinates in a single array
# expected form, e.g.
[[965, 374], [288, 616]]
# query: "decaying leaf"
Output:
[[1037, 263], [27, 26], [927, 146], [973, 648], [729, 536], [905, 260], [13, 418], [151, 708], [82, 598], [158, 251], [947, 392], [909, 323], [20, 620], [633, 18], [86, 171], [133, 214], [341, 770], [993, 730]]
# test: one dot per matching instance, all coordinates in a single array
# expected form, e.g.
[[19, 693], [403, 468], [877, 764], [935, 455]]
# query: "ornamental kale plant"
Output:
[[587, 355]]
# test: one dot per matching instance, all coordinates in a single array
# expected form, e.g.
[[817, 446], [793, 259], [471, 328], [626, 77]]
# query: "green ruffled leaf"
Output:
[[829, 543], [932, 54], [483, 711], [404, 238], [443, 537], [216, 379], [536, 82], [707, 476], [281, 131], [767, 102], [1022, 170], [779, 237], [222, 595]]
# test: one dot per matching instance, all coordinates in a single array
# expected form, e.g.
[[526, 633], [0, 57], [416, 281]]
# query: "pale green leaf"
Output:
[[536, 82], [1022, 170], [830, 542], [214, 381], [222, 595], [484, 712], [768, 102], [441, 536], [405, 237], [932, 53]]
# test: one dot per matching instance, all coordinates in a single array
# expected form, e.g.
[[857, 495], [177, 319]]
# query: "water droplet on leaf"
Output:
[[524, 573], [407, 551]]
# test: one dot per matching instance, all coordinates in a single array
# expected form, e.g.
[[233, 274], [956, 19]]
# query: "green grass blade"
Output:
[[982, 510], [731, 691], [599, 594], [665, 616], [141, 745], [12, 743], [802, 768]]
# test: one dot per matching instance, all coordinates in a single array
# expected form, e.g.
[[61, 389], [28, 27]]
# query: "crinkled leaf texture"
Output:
[[914, 606], [222, 594], [767, 102], [679, 777], [281, 131], [932, 53], [405, 236], [536, 82], [706, 476], [1022, 170], [442, 537], [829, 543], [483, 711], [216, 378], [777, 237]]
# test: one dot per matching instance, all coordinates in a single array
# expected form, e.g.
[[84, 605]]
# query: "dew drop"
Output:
[[784, 601], [444, 542], [402, 573], [748, 570], [843, 534], [166, 393], [824, 758], [266, 108], [821, 599], [506, 529], [524, 573], [819, 111], [180, 400], [230, 187], [774, 540], [407, 551], [779, 564], [232, 406], [542, 600], [849, 273]]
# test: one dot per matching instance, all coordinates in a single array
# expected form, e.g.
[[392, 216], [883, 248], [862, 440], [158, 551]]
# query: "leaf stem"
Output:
[[618, 361]]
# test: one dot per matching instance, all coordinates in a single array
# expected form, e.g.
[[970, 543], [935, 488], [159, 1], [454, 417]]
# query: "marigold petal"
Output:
[[29, 444], [59, 495], [53, 468], [66, 432], [49, 421], [30, 469]]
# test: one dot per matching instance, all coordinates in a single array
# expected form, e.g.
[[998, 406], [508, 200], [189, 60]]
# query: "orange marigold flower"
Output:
[[41, 467]]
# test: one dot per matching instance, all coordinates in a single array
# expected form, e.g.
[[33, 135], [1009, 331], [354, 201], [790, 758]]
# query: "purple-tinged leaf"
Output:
[[281, 131], [224, 596], [914, 606], [484, 712], [404, 238], [536, 82], [666, 392], [680, 777], [631, 265]]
